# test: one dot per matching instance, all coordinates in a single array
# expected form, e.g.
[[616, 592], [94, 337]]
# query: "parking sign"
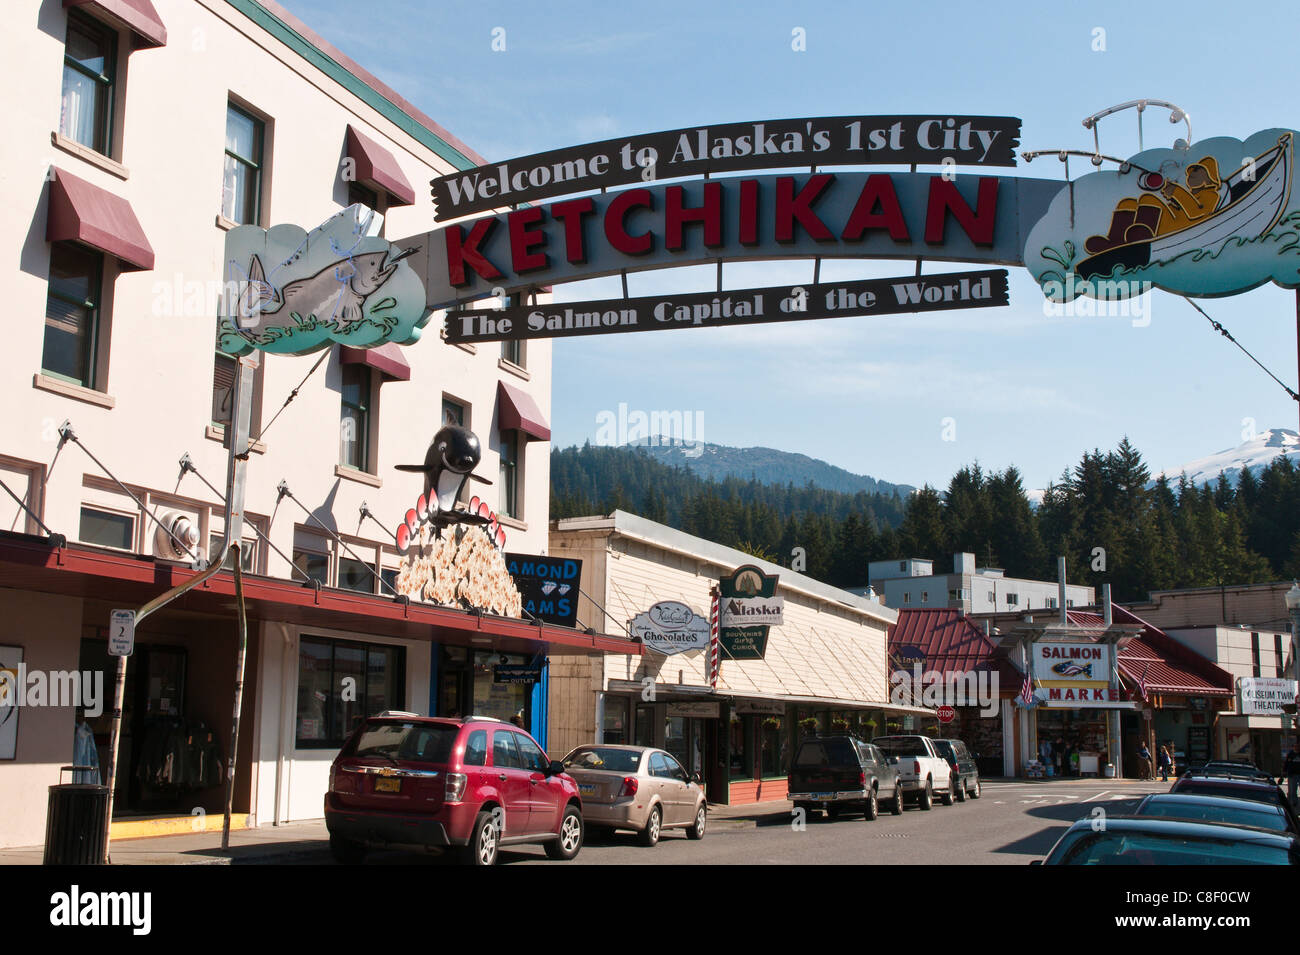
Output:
[[121, 633]]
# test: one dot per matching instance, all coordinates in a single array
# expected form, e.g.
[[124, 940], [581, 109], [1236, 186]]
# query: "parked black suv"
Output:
[[963, 765], [839, 772]]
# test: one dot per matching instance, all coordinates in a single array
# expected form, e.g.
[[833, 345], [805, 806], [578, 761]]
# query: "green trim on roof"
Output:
[[349, 80]]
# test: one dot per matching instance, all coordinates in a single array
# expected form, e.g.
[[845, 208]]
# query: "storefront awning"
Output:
[[376, 167], [517, 411], [945, 641], [387, 359], [30, 563], [138, 16], [81, 212], [1158, 662]]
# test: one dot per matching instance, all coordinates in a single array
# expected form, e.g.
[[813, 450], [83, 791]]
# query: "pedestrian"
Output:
[[1291, 766], [1144, 759], [1166, 761]]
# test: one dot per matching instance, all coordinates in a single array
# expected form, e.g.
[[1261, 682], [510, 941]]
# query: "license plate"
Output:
[[822, 795], [383, 785], [587, 789]]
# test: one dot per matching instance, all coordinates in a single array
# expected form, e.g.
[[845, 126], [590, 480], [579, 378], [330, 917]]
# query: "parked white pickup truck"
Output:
[[922, 772]]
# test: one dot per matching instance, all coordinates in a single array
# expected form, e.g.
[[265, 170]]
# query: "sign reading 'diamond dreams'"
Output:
[[823, 141], [779, 303], [548, 586]]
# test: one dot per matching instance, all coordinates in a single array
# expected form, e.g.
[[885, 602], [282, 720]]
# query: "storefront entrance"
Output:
[[1073, 742]]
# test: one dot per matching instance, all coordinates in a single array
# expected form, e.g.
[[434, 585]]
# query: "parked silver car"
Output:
[[639, 788]]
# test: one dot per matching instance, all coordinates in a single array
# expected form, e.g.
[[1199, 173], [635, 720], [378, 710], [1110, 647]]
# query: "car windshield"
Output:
[[1255, 814], [826, 752], [1115, 847], [603, 758], [902, 745], [414, 742]]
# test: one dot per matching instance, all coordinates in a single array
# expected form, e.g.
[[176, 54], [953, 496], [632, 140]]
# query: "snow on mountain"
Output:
[[1254, 454]]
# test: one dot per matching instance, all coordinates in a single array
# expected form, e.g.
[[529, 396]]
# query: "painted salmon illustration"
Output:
[[334, 294], [1066, 668]]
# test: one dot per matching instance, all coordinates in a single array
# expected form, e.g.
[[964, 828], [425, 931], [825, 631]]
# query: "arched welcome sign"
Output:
[[1214, 218]]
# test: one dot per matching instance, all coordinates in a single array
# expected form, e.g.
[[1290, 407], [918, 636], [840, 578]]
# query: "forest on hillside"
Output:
[[1101, 515]]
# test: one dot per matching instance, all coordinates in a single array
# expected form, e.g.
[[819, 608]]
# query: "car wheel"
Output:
[[570, 836], [950, 796], [898, 799], [346, 852], [873, 806], [649, 836], [961, 790], [483, 841], [975, 793], [701, 820], [925, 798]]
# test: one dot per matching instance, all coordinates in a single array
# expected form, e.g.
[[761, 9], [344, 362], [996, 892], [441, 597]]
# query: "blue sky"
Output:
[[872, 394]]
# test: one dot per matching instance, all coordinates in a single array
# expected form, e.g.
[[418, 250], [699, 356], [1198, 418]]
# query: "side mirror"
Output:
[[697, 779], [555, 768]]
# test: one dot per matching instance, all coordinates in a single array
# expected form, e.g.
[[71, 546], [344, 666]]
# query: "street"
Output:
[[1012, 823]]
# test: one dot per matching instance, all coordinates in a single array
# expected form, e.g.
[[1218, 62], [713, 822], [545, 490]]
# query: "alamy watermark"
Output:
[[76, 688], [1100, 298], [655, 428], [934, 688]]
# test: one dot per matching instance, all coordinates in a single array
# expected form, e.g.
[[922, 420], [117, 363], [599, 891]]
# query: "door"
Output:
[[511, 781], [546, 796], [677, 794], [661, 786]]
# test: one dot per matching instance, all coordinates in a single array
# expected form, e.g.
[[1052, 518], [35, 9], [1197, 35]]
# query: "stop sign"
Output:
[[947, 714]]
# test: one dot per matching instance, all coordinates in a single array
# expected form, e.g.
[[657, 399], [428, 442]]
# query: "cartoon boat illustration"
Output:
[[1252, 201]]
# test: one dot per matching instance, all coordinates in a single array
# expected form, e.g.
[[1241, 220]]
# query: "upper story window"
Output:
[[72, 313], [509, 503], [512, 350], [242, 184], [107, 529], [354, 418], [453, 412], [1254, 655], [89, 71]]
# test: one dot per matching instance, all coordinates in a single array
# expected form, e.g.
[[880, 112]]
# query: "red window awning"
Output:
[[386, 359], [517, 411], [138, 16], [376, 167], [81, 212]]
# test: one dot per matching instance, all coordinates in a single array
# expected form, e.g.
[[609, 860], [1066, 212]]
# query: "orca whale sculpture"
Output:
[[448, 464]]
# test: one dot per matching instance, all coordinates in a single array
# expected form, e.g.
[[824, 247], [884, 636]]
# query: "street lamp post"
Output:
[[1293, 609]]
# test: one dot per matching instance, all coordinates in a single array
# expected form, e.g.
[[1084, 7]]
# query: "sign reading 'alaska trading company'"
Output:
[[824, 141], [747, 588]]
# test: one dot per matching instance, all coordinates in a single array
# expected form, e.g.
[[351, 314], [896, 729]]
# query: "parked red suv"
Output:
[[471, 785]]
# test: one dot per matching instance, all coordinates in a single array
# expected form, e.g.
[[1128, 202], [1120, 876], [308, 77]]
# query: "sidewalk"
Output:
[[297, 842]]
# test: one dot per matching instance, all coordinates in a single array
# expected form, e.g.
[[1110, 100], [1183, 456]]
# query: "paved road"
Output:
[[1011, 824]]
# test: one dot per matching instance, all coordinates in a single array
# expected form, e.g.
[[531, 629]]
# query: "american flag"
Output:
[[1027, 691], [1142, 683], [713, 640]]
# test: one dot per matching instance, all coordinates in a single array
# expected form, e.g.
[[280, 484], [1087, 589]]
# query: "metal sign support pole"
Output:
[[241, 414]]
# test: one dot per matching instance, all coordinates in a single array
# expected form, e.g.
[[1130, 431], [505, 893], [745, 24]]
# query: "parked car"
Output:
[[1146, 840], [921, 769], [1223, 767], [959, 758], [471, 785], [1260, 790], [1221, 809], [835, 773], [639, 788]]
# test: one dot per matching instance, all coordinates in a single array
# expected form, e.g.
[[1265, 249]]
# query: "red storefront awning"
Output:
[[30, 563], [1159, 663], [138, 16], [517, 411], [81, 212], [387, 359], [945, 641], [376, 167]]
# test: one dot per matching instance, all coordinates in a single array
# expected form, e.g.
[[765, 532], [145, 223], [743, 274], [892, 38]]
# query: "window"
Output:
[[356, 575], [512, 350], [509, 503], [1254, 655], [504, 752], [476, 748], [328, 707], [89, 68], [111, 530], [72, 313], [925, 596], [242, 184], [530, 754], [389, 577], [1277, 653], [902, 565], [453, 412], [907, 597], [354, 420], [742, 746], [315, 566], [247, 553], [363, 194], [223, 393], [1013, 599]]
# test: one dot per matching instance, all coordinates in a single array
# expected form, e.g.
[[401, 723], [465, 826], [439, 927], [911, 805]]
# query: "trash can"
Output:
[[74, 823], [1110, 770]]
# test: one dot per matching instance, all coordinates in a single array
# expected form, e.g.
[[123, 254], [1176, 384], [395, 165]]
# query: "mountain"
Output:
[[1254, 454], [715, 462]]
